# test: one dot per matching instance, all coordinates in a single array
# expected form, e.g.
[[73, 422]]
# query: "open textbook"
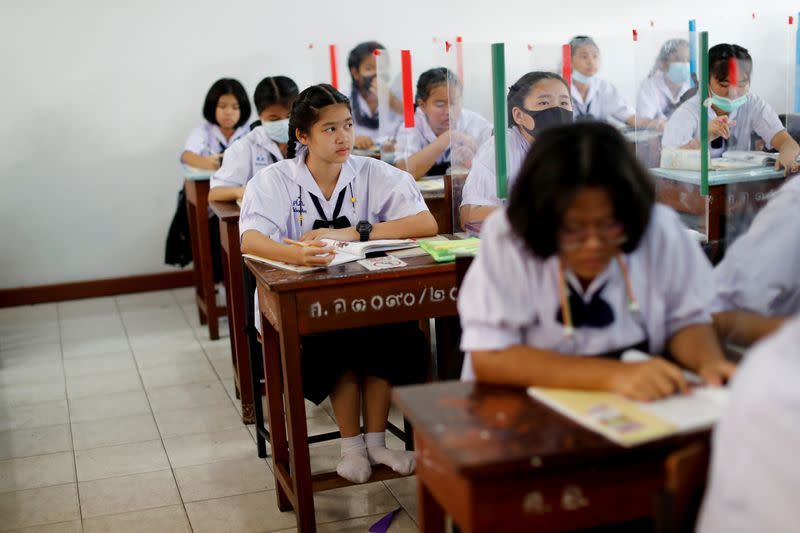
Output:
[[346, 252], [630, 423], [685, 159]]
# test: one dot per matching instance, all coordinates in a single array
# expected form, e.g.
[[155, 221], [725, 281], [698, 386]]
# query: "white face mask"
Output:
[[582, 78], [277, 130]]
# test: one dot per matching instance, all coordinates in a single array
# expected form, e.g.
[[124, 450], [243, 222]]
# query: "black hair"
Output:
[[306, 108], [581, 40], [518, 92], [719, 55], [360, 52], [220, 88], [430, 79], [275, 90], [563, 160]]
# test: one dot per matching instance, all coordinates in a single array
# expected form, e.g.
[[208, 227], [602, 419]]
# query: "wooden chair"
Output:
[[686, 472]]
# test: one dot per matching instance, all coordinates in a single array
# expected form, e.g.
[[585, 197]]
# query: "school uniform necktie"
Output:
[[338, 222], [595, 314]]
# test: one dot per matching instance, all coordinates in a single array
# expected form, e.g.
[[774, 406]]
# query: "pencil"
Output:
[[303, 244]]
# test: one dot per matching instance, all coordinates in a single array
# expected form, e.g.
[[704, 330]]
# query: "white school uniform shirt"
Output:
[[244, 158], [754, 480], [655, 96], [761, 270], [756, 115], [388, 127], [412, 140], [603, 100], [207, 139], [480, 188], [510, 297], [278, 194], [361, 129]]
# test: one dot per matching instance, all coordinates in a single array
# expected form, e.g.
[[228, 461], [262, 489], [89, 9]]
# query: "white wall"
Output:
[[98, 97]]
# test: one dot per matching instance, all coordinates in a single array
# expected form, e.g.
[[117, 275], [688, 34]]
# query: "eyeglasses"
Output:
[[612, 234]]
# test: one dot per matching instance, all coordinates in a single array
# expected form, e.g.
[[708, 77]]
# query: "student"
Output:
[[265, 145], [754, 480], [593, 97], [364, 94], [226, 111], [581, 266], [425, 149], [669, 82], [537, 101], [734, 113], [758, 281], [324, 192]]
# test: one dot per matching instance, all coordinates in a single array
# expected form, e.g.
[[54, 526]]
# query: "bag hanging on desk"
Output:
[[179, 245]]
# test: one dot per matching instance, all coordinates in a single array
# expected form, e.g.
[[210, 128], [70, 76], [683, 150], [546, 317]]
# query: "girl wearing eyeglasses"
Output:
[[582, 266]]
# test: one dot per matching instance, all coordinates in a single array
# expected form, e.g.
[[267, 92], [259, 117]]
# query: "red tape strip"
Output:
[[566, 64], [733, 71], [460, 59], [408, 89], [334, 74]]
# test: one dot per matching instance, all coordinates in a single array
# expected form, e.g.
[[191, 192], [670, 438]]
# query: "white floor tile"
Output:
[[31, 393], [128, 493], [120, 460], [204, 448], [73, 526], [48, 371], [402, 523], [187, 396], [103, 384], [405, 491], [114, 431], [39, 506], [34, 441], [34, 415], [99, 364], [97, 346], [204, 419], [108, 406], [199, 371], [243, 513], [35, 472], [228, 478], [353, 502], [163, 520]]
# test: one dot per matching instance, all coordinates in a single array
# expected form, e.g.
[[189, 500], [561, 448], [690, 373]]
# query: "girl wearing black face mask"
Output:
[[536, 102], [364, 93]]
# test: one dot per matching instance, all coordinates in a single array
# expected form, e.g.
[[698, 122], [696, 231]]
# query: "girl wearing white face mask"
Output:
[[734, 112], [266, 144], [593, 97], [668, 85]]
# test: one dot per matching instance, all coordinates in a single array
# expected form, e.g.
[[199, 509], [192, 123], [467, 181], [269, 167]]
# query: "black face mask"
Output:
[[546, 119], [366, 83]]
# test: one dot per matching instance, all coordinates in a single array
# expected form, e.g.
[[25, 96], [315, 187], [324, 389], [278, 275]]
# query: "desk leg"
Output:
[[430, 513], [275, 409], [191, 213], [448, 357], [207, 270], [299, 458]]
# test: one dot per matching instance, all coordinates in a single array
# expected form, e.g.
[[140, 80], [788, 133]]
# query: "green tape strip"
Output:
[[703, 113], [500, 125]]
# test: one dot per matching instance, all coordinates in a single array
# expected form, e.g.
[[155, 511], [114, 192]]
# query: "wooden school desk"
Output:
[[228, 214], [494, 459], [197, 185], [345, 296], [433, 192], [731, 193]]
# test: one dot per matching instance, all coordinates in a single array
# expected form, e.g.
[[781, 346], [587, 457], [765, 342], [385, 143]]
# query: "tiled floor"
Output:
[[119, 414]]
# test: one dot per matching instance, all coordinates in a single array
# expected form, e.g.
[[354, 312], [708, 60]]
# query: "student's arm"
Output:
[[225, 194], [420, 225], [744, 327], [525, 366], [789, 150], [475, 213], [421, 162], [697, 347], [316, 254], [206, 162]]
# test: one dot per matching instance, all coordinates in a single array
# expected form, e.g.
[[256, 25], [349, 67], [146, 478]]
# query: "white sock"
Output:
[[354, 464], [400, 461]]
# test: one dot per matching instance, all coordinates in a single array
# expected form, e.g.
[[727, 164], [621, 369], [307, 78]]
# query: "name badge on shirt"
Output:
[[261, 160], [298, 206]]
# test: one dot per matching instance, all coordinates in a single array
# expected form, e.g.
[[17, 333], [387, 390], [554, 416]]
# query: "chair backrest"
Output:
[[685, 475]]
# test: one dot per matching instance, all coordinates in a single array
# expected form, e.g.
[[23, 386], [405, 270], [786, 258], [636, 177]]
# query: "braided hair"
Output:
[[306, 110]]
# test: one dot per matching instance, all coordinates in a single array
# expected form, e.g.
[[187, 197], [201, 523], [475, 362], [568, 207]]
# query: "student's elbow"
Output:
[[185, 155], [428, 224], [216, 195], [248, 242], [484, 365]]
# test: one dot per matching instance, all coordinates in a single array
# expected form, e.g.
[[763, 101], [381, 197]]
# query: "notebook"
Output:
[[443, 251], [346, 252], [630, 423], [416, 251]]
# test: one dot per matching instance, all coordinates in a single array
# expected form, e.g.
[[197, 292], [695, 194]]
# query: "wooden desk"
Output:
[[197, 186], [228, 214], [345, 296], [437, 202], [731, 193], [495, 460]]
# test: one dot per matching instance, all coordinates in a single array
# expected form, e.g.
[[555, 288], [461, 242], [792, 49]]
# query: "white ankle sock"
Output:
[[400, 461], [354, 464]]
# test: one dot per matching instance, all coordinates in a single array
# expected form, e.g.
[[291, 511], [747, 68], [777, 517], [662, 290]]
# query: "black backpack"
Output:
[[179, 244]]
